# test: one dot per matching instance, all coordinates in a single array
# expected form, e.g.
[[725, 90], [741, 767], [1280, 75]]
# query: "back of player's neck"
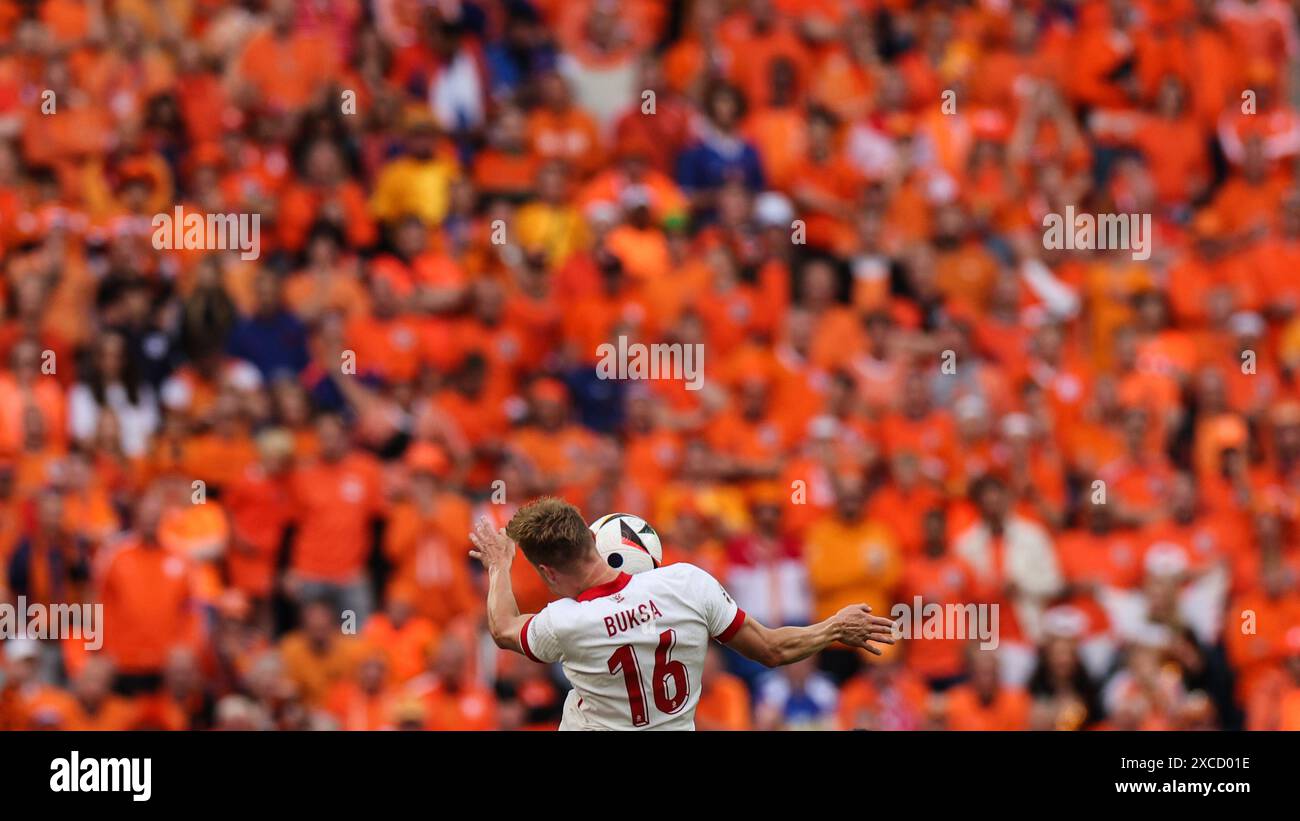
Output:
[[597, 573]]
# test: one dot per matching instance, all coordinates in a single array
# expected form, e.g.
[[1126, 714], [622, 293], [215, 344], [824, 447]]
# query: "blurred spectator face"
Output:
[[905, 468], [422, 141], [489, 300], [935, 528], [509, 131], [818, 285], [412, 237], [1151, 311], [1182, 498], [149, 512], [450, 661], [21, 666], [371, 674], [291, 403], [424, 486], [399, 609], [993, 500], [1254, 166], [1126, 347], [1048, 341], [267, 293], [733, 203], [554, 91], [1062, 660], [281, 13], [800, 672], [33, 429], [182, 675], [550, 412], [766, 516], [1144, 663], [384, 302], [879, 328], [318, 623], [841, 395], [92, 684], [333, 438], [984, 673], [25, 359], [798, 330], [781, 81], [1098, 515], [49, 511], [324, 164], [849, 498], [1162, 594], [236, 713], [724, 108], [110, 357], [322, 250], [1135, 429], [753, 398], [275, 448], [1211, 390], [552, 183], [916, 394], [972, 418]]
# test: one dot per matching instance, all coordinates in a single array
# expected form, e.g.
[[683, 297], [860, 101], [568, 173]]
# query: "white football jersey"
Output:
[[634, 648]]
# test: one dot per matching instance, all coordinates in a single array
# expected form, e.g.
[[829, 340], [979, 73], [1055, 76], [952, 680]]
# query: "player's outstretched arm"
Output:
[[854, 626], [495, 550]]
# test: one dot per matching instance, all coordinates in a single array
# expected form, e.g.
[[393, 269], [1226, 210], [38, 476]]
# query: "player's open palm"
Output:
[[491, 547], [857, 627]]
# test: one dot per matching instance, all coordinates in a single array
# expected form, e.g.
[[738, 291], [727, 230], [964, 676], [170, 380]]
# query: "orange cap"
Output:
[[548, 389], [767, 493], [1227, 431], [426, 457]]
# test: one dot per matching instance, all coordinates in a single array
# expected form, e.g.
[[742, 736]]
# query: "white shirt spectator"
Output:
[[137, 422]]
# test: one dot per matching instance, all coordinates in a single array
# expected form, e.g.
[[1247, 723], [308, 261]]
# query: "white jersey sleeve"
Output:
[[539, 640], [721, 613]]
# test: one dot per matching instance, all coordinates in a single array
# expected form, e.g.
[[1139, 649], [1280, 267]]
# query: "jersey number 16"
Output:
[[666, 670]]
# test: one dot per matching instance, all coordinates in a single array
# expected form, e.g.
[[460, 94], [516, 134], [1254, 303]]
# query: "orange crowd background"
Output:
[[265, 469]]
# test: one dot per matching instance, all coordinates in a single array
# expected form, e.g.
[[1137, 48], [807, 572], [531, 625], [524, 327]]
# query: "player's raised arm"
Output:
[[497, 552], [773, 647]]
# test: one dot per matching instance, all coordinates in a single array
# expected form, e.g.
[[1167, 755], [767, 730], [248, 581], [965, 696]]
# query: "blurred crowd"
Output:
[[265, 469]]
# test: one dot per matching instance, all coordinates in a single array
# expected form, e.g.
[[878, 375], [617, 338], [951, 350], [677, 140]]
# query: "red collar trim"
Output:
[[606, 589]]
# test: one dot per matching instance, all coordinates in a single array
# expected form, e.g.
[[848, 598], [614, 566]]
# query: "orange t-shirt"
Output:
[[259, 506], [1009, 710], [429, 550], [334, 503], [723, 705], [941, 581], [148, 606], [406, 646]]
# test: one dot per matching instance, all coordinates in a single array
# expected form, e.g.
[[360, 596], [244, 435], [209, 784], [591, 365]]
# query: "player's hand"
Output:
[[491, 547], [857, 627]]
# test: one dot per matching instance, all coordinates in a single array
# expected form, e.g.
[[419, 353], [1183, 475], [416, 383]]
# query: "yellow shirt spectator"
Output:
[[410, 185]]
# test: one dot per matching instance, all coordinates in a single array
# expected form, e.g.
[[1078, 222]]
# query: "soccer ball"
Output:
[[627, 542]]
